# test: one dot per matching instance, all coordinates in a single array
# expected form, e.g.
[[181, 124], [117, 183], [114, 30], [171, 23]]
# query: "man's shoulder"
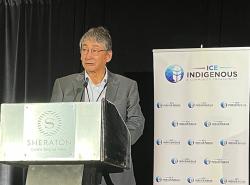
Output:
[[121, 78], [74, 76]]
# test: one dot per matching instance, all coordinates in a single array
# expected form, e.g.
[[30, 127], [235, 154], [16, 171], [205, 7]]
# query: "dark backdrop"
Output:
[[39, 42]]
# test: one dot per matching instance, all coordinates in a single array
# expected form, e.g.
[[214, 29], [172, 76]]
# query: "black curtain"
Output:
[[38, 42], [36, 36]]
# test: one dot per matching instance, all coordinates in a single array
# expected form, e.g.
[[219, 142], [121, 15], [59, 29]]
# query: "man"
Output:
[[97, 82]]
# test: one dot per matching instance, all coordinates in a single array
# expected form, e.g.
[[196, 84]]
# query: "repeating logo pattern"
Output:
[[195, 116]]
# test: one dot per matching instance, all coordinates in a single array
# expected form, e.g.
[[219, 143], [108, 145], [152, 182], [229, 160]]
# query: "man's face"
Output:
[[94, 56]]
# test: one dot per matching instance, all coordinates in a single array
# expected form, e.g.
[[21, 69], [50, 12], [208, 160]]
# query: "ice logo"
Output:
[[174, 123], [223, 181], [207, 123], [206, 161], [174, 161], [158, 141], [158, 179], [223, 104], [190, 104], [190, 142], [158, 105], [190, 179], [174, 73], [223, 142]]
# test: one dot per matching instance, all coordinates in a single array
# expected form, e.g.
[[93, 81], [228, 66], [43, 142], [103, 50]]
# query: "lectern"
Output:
[[56, 140]]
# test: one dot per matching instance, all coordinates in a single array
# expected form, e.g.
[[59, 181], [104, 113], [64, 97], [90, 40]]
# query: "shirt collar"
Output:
[[104, 80]]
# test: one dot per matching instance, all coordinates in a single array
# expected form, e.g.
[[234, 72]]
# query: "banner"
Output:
[[201, 116]]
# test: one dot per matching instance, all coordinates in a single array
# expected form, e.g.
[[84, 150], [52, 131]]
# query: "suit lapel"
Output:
[[78, 87], [111, 87]]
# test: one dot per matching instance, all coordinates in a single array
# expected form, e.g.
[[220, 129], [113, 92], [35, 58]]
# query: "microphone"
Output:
[[102, 91], [85, 84]]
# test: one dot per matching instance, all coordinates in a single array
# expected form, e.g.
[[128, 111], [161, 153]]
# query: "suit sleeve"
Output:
[[57, 93], [135, 119]]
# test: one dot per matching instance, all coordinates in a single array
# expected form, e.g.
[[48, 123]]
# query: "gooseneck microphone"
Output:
[[102, 91], [85, 85], [85, 82]]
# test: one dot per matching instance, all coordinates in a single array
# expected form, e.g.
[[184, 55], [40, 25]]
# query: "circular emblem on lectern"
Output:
[[49, 123]]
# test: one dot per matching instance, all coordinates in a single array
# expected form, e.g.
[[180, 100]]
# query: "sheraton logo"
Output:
[[49, 123]]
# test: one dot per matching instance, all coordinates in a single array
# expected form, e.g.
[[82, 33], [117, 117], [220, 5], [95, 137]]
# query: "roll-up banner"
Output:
[[201, 116]]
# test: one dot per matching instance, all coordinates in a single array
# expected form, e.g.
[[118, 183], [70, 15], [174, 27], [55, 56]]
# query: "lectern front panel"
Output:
[[50, 132]]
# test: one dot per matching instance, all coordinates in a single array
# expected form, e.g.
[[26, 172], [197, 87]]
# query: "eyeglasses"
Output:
[[92, 51]]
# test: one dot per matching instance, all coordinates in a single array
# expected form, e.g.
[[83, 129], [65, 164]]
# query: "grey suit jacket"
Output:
[[123, 93]]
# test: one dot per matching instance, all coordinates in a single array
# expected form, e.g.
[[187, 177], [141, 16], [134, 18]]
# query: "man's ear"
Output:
[[109, 56]]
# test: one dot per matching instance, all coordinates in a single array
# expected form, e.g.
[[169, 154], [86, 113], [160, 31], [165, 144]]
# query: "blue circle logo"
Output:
[[207, 123], [223, 181], [158, 179], [174, 123], [206, 161], [223, 142], [223, 104], [190, 179], [190, 104], [158, 141], [190, 142], [158, 105], [174, 161], [174, 73]]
